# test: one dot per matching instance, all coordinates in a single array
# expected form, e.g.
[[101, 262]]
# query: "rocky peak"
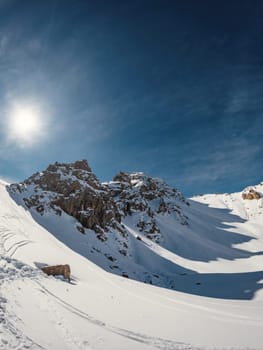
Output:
[[122, 177], [73, 188], [62, 177], [79, 164], [140, 186], [147, 197]]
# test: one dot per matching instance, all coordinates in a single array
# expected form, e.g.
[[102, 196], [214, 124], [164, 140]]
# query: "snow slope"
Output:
[[85, 201], [217, 302], [67, 199]]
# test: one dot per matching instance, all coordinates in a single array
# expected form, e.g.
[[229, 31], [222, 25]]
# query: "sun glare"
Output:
[[25, 121], [25, 125]]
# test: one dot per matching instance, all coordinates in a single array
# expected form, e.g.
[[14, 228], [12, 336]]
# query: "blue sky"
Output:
[[170, 88]]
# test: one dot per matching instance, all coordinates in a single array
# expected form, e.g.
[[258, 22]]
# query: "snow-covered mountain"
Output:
[[206, 252], [135, 225], [111, 224]]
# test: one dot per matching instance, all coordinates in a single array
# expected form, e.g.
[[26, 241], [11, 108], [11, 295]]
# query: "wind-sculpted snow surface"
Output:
[[99, 310]]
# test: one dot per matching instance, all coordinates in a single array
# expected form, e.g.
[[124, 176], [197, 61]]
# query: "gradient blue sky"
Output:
[[170, 88]]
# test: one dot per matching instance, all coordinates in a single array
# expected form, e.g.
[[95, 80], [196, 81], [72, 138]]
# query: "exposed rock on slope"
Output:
[[74, 189], [118, 219], [144, 197], [251, 194], [115, 211]]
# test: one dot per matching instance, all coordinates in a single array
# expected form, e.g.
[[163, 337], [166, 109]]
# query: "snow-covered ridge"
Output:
[[74, 189], [138, 226], [238, 203], [213, 265], [145, 199], [99, 220]]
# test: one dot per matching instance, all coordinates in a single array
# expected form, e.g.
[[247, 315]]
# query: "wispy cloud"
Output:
[[232, 161]]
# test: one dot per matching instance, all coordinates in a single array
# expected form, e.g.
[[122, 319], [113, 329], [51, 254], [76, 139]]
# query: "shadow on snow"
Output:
[[207, 238]]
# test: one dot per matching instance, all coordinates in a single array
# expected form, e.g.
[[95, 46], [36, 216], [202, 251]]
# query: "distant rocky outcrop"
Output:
[[251, 194]]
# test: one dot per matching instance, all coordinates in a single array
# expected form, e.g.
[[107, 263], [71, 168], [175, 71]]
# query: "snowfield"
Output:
[[216, 304]]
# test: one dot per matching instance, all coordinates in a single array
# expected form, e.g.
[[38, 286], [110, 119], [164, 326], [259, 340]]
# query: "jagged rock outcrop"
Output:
[[144, 197], [251, 194], [112, 220], [74, 189]]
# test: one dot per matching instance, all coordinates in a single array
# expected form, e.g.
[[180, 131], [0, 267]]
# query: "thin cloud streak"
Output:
[[232, 161]]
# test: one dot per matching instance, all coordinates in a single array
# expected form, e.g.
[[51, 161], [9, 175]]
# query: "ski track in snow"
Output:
[[162, 343], [12, 338], [19, 341]]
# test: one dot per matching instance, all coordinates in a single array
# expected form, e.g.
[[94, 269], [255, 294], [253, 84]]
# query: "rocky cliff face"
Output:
[[144, 198], [109, 223], [137, 226], [74, 189]]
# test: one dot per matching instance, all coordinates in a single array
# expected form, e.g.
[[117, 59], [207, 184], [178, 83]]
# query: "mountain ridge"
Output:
[[135, 225], [209, 270]]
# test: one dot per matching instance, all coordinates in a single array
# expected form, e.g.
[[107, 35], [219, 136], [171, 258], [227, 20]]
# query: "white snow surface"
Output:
[[217, 301]]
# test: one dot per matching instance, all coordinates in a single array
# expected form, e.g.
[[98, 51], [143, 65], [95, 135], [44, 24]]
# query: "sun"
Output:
[[25, 121], [25, 124]]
